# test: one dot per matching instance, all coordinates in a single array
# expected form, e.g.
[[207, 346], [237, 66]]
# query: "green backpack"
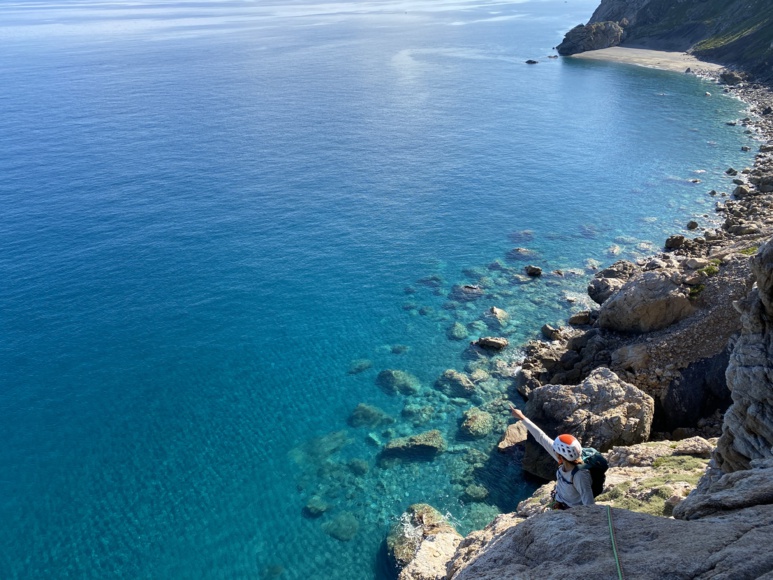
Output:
[[594, 462]]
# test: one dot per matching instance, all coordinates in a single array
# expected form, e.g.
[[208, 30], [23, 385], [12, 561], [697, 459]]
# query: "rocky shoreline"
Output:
[[666, 330]]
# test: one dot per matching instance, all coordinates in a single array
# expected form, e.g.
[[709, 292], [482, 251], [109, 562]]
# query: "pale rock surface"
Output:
[[731, 492], [421, 543], [610, 280], [649, 301], [747, 432], [472, 544], [431, 559], [515, 433], [649, 547]]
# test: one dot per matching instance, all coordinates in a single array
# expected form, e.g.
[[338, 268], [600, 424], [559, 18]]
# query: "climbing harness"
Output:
[[614, 544]]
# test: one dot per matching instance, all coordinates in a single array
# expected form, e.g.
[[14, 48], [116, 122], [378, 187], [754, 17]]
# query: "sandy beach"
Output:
[[672, 61]]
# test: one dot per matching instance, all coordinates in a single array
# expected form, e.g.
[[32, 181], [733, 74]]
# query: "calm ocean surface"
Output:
[[210, 209]]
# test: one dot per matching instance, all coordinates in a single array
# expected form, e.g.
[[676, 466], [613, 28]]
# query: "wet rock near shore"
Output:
[[494, 343], [421, 542], [594, 36]]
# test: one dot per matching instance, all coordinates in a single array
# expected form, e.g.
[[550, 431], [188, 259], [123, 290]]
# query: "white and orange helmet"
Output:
[[568, 446]]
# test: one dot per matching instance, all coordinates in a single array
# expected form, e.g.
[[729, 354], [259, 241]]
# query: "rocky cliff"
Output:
[[719, 528], [748, 427], [731, 32]]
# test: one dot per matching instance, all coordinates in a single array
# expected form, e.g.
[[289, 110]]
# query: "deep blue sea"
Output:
[[211, 209]]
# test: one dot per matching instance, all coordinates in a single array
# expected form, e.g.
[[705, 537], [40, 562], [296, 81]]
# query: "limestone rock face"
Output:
[[515, 433], [649, 301], [421, 543], [610, 280], [471, 545], [731, 492], [601, 412], [747, 432], [650, 547], [600, 289], [590, 37]]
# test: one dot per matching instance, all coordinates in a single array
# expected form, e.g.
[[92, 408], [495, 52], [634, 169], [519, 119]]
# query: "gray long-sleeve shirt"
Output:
[[571, 490]]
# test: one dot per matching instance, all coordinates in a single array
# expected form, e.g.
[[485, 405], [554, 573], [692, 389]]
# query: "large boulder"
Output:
[[649, 301], [421, 543], [601, 412], [747, 432], [591, 37], [491, 343], [610, 280]]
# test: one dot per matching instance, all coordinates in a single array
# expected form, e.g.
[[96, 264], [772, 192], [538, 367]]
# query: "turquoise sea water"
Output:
[[210, 209]]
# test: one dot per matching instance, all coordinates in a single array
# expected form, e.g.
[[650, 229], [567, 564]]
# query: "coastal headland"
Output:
[[686, 332]]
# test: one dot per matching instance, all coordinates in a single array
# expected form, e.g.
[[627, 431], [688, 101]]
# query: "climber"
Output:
[[573, 484]]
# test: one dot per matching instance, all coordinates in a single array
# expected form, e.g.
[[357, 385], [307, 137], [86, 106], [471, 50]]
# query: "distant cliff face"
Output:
[[731, 32]]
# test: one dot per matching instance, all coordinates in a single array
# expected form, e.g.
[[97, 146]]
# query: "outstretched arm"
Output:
[[535, 431]]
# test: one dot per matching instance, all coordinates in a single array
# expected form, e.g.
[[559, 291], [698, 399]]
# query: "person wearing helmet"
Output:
[[572, 489]]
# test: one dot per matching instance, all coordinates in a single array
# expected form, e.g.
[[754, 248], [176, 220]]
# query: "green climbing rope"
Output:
[[614, 544]]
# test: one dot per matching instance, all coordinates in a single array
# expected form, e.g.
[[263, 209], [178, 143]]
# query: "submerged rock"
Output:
[[477, 423], [393, 382], [359, 365], [343, 527], [421, 447], [315, 507], [457, 332], [455, 384], [466, 292], [475, 492], [368, 416]]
